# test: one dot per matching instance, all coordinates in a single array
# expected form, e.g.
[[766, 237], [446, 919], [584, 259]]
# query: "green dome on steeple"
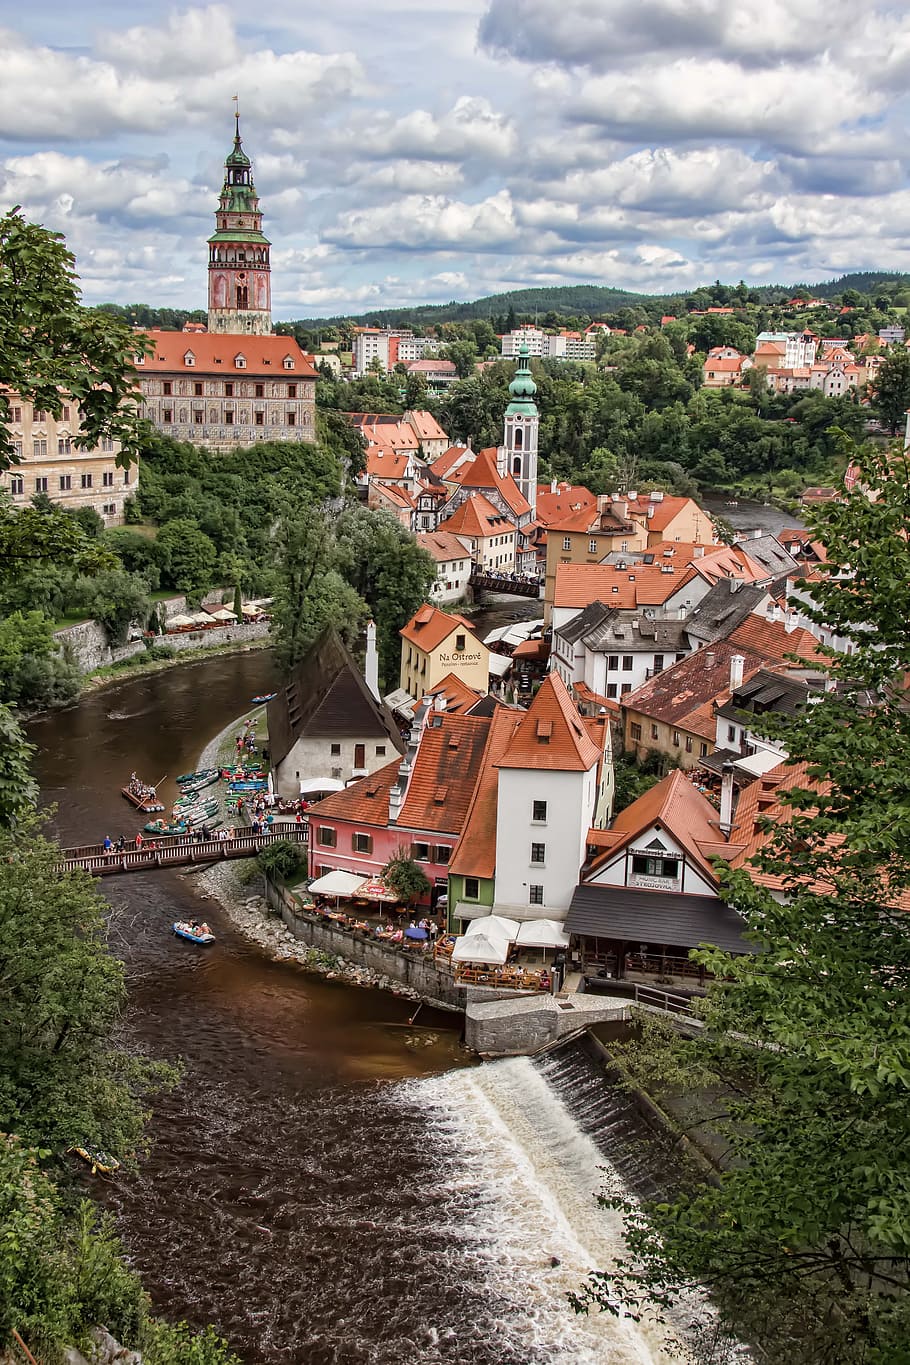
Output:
[[522, 387], [237, 156]]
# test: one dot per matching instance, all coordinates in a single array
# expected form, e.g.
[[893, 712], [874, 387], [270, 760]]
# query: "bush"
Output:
[[280, 860]]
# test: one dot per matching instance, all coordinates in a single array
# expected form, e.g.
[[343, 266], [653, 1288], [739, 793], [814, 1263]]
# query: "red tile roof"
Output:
[[477, 517], [445, 773], [475, 852], [429, 626], [442, 545], [425, 426], [458, 696], [448, 460], [666, 510], [566, 498], [637, 585], [482, 473], [552, 735], [683, 695], [773, 641], [383, 463], [216, 353], [365, 802]]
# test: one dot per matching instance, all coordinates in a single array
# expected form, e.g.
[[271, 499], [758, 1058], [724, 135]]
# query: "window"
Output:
[[539, 812], [335, 750], [292, 419], [15, 414], [567, 542], [703, 750], [189, 358], [198, 390], [86, 480], [292, 390], [64, 446], [107, 479], [658, 662], [611, 691], [167, 388], [229, 419], [198, 416], [239, 362], [535, 894], [643, 866], [654, 732], [688, 744], [39, 415], [538, 853], [460, 641], [39, 449], [109, 509], [442, 853], [676, 738], [362, 843], [326, 836], [66, 414], [627, 662], [260, 419], [626, 687], [288, 363], [635, 731], [731, 733], [16, 484], [471, 888], [229, 390], [380, 751], [612, 663], [66, 482], [259, 391], [592, 547], [420, 853], [167, 415], [127, 478]]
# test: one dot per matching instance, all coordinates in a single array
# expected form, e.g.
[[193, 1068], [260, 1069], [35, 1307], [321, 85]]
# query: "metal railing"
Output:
[[176, 852]]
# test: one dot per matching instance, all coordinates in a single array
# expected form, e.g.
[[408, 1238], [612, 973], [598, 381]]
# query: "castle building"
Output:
[[236, 383]]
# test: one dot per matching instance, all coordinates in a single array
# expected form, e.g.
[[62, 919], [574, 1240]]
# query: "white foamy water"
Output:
[[527, 1177]]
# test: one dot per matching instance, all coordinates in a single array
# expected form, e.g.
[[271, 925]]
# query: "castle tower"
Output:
[[240, 295], [518, 453]]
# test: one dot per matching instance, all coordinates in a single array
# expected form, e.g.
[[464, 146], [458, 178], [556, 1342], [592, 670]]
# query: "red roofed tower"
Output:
[[240, 295]]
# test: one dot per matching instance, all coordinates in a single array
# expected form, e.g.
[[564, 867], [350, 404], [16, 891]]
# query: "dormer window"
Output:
[[240, 362], [139, 359], [288, 363], [189, 358]]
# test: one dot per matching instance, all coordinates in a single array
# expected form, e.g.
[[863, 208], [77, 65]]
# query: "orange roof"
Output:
[[384, 463], [447, 461], [593, 521], [445, 773], [475, 852], [477, 517], [683, 695], [399, 496], [425, 426], [726, 364], [577, 585], [566, 498], [365, 802], [773, 641], [679, 808], [665, 510], [482, 473], [429, 626], [456, 694], [217, 353], [442, 545], [552, 735], [383, 430]]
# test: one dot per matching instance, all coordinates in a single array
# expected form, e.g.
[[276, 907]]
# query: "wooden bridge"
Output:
[[482, 581], [176, 851]]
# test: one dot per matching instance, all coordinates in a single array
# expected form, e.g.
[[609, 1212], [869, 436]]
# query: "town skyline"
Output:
[[415, 156]]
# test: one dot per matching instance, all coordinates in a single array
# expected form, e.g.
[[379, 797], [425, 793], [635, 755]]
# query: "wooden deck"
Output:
[[176, 852]]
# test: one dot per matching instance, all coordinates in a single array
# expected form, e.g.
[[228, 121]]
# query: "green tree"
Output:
[[280, 860], [32, 671], [463, 355], [891, 397], [405, 878], [53, 349], [309, 592], [114, 598], [804, 1243], [187, 555], [18, 789]]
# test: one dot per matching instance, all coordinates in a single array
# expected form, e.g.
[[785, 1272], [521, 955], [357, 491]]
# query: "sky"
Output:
[[417, 151]]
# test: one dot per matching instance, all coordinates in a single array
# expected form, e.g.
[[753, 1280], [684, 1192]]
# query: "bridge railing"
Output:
[[177, 852]]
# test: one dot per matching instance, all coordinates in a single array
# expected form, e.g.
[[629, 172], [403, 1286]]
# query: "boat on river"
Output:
[[186, 931], [248, 784], [143, 798], [263, 698], [200, 782], [200, 775], [162, 827]]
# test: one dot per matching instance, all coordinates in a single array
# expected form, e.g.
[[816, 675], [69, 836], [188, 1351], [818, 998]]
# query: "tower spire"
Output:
[[518, 453], [240, 299]]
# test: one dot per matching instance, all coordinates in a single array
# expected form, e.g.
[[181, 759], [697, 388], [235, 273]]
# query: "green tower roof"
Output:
[[522, 387], [237, 156]]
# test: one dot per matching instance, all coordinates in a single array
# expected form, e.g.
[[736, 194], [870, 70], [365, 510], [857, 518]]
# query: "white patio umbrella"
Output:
[[337, 883], [488, 948], [178, 620], [223, 614], [494, 924], [542, 933]]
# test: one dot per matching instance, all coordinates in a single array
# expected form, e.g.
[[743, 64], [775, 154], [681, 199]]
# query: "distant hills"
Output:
[[592, 299]]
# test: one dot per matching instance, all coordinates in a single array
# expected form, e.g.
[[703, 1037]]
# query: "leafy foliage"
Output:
[[280, 860], [18, 789], [405, 877]]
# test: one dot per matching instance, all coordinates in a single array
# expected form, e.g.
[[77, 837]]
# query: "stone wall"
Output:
[[522, 1025], [207, 637], [86, 643]]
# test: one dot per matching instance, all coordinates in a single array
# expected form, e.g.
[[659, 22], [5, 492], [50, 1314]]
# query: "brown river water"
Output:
[[329, 1184]]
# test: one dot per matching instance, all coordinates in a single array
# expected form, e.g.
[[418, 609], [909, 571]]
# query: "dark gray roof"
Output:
[[639, 633], [664, 917], [327, 696], [766, 692], [722, 609], [593, 615], [767, 551]]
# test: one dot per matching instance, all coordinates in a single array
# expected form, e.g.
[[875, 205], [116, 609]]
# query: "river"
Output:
[[748, 515], [328, 1183]]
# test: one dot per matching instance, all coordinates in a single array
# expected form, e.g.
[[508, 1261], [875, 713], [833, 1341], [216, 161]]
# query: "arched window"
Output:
[[243, 296], [516, 464], [519, 438]]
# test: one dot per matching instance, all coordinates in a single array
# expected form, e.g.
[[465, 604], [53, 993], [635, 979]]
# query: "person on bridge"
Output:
[[108, 843], [139, 842]]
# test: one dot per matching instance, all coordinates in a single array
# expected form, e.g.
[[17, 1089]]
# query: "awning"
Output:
[[376, 890], [176, 622], [494, 924], [759, 763], [310, 785], [490, 948], [542, 933], [668, 917], [467, 910], [337, 883], [500, 665]]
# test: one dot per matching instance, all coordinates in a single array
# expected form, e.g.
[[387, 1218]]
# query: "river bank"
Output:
[[110, 674]]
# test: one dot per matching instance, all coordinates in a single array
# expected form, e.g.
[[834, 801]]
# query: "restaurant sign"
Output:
[[654, 883], [460, 658]]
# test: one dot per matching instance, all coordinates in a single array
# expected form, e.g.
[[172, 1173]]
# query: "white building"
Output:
[[453, 565], [549, 795], [799, 347], [549, 346]]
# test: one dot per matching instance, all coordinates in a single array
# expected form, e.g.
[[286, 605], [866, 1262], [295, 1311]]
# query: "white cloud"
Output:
[[428, 222]]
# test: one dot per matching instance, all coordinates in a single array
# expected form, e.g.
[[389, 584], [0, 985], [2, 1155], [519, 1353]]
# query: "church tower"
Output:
[[240, 295], [518, 453]]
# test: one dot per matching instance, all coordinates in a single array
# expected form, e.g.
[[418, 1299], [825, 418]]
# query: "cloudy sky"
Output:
[[423, 150]]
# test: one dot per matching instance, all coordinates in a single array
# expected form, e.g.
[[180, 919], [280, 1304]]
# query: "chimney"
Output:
[[552, 485], [737, 663], [698, 552], [400, 790], [633, 495], [710, 659], [726, 800], [371, 663]]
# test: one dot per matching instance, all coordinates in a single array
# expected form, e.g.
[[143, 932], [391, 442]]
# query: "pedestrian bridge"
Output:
[[177, 851], [482, 581]]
